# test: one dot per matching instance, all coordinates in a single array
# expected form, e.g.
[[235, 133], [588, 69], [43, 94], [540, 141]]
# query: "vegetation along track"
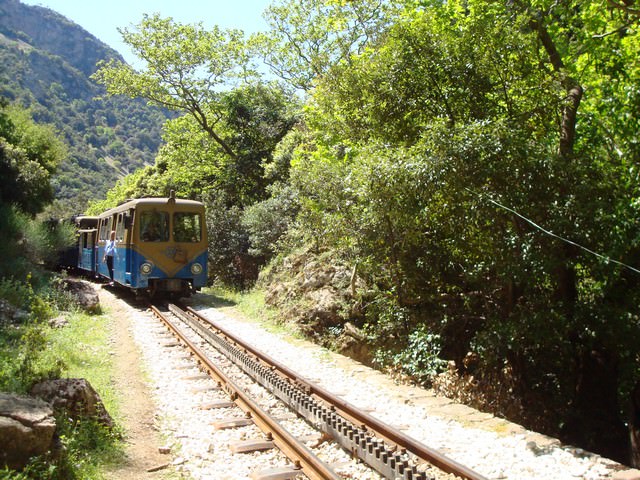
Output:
[[386, 450]]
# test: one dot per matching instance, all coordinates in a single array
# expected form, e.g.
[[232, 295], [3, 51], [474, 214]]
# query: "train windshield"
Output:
[[154, 226], [186, 227]]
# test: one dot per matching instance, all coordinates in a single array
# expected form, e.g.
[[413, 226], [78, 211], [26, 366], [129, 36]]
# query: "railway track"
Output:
[[384, 449]]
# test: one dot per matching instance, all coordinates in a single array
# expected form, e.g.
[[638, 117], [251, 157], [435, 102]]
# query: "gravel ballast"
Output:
[[493, 447]]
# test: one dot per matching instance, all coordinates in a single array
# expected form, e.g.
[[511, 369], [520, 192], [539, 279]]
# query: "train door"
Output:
[[123, 239], [86, 249], [119, 263], [105, 229], [128, 226]]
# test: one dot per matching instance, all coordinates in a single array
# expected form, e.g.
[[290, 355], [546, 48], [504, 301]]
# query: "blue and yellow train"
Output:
[[161, 245]]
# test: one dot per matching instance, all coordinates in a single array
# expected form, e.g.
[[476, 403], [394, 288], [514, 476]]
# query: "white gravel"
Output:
[[491, 448]]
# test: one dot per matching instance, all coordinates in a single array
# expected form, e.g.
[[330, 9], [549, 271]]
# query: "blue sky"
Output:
[[102, 18]]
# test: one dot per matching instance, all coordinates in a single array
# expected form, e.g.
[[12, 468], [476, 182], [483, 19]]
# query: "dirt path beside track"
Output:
[[138, 410]]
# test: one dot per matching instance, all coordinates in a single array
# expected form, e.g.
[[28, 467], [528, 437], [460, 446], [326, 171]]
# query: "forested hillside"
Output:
[[46, 66]]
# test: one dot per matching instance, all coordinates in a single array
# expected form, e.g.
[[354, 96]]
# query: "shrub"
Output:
[[267, 221], [229, 262], [419, 358]]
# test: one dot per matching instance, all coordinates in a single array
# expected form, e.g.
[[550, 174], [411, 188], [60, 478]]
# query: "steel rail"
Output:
[[352, 412], [308, 462]]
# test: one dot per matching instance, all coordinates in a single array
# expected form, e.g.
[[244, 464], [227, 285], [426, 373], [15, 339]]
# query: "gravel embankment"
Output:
[[492, 447]]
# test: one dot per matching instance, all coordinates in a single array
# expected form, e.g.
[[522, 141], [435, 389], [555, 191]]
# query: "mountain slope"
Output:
[[45, 64]]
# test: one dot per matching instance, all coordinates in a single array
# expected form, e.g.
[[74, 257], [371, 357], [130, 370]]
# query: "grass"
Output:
[[83, 347], [252, 306], [80, 350]]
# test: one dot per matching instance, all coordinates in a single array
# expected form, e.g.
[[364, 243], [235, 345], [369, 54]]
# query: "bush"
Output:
[[229, 261], [30, 243], [419, 359], [267, 221], [18, 294]]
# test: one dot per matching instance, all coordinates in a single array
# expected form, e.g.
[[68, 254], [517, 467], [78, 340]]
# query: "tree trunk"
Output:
[[634, 427], [566, 276], [593, 422]]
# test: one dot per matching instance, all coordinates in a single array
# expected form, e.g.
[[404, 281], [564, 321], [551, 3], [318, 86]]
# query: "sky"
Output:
[[102, 18]]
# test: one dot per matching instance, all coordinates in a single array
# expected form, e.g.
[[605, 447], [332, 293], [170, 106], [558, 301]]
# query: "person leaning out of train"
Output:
[[109, 252]]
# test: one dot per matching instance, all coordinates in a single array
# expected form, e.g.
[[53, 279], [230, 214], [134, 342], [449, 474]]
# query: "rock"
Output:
[[354, 332], [324, 299], [10, 314], [274, 294], [75, 396], [353, 348], [27, 428], [59, 322], [84, 294], [316, 276], [627, 475]]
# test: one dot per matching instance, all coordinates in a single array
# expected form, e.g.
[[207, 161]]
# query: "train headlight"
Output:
[[146, 268], [196, 269]]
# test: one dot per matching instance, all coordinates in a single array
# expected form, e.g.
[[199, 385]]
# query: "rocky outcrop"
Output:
[[27, 428], [84, 293], [73, 396], [316, 294], [47, 30]]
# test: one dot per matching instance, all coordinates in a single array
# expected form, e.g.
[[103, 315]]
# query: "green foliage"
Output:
[[20, 358], [43, 240], [268, 221], [229, 261], [185, 66], [17, 293], [253, 120], [308, 37], [23, 341], [419, 359], [32, 343], [30, 243], [439, 159], [29, 154], [56, 88], [257, 117]]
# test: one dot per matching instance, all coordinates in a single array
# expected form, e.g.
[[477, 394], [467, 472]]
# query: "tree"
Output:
[[29, 155], [441, 160], [254, 119], [307, 38], [186, 66]]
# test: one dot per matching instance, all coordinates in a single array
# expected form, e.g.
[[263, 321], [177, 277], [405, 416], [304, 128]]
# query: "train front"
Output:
[[169, 255]]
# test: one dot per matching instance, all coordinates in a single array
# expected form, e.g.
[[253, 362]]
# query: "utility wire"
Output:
[[566, 240]]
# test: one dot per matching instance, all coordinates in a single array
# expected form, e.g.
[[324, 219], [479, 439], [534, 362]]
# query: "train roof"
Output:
[[84, 221], [152, 201]]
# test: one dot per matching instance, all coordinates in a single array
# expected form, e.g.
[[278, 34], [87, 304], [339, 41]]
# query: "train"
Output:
[[161, 246]]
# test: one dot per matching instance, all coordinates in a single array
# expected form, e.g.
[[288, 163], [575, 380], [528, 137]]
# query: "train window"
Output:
[[120, 228], [154, 226], [186, 227], [105, 228]]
